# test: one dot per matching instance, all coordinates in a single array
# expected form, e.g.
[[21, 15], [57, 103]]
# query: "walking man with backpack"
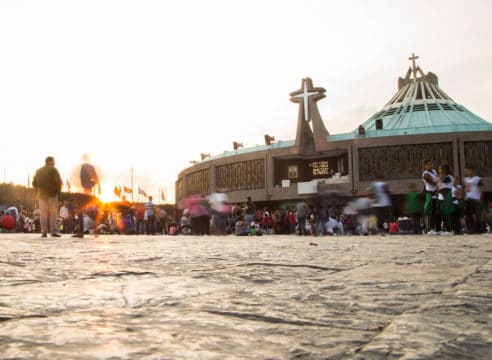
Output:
[[89, 181]]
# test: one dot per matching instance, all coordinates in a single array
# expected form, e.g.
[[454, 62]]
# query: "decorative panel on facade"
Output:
[[479, 155], [198, 183], [247, 175], [401, 161]]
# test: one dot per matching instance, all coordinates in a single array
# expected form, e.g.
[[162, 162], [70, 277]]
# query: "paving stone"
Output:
[[268, 297]]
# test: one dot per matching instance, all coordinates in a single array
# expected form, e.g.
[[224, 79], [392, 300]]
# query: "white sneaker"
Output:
[[432, 232], [446, 233]]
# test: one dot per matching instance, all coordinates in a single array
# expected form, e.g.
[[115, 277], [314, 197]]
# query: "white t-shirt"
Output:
[[382, 197], [428, 185], [472, 189], [64, 213], [331, 225]]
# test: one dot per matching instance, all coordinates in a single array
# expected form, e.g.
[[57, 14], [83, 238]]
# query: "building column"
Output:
[[455, 166], [269, 175], [354, 167], [460, 171], [213, 179]]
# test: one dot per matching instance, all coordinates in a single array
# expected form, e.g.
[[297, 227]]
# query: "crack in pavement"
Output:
[[316, 267]]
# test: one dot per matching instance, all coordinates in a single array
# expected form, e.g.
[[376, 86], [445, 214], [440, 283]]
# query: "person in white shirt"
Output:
[[381, 204], [445, 199], [473, 201], [363, 206], [66, 219], [331, 226]]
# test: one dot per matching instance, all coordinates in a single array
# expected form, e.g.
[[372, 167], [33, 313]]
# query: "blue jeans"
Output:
[[248, 218]]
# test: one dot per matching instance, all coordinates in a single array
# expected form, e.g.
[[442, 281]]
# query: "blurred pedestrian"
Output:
[[430, 179], [473, 201], [88, 178], [458, 217], [413, 207], [301, 211], [381, 204], [139, 219], [48, 183], [445, 198], [363, 205], [220, 212], [199, 210], [249, 211]]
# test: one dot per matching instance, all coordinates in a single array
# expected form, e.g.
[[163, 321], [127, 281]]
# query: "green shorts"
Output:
[[429, 204]]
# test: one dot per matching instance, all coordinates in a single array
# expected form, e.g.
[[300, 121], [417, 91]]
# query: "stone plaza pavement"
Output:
[[263, 297]]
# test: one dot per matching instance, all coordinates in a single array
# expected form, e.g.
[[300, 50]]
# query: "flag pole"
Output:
[[132, 180]]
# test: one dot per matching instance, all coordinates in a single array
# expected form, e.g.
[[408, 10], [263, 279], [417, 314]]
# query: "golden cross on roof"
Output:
[[414, 68]]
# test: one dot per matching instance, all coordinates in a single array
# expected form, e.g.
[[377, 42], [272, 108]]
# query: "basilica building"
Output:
[[419, 122]]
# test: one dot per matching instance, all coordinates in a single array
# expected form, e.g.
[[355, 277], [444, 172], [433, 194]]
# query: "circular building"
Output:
[[419, 122]]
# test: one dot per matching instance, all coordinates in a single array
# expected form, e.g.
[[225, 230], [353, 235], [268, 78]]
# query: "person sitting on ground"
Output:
[[8, 223], [394, 227], [173, 230], [332, 226], [255, 229], [241, 228], [185, 224]]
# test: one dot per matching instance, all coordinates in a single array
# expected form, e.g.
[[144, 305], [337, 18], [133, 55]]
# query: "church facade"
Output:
[[419, 122]]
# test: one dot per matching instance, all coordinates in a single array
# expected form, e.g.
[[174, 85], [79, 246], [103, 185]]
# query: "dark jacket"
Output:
[[47, 182]]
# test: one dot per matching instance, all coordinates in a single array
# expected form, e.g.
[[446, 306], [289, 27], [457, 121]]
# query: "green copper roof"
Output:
[[419, 107], [276, 145]]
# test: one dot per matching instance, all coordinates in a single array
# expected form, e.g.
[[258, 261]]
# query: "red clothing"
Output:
[[267, 222], [8, 222], [140, 213], [394, 228], [291, 217]]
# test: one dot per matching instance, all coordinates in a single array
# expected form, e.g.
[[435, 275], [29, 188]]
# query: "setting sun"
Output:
[[107, 193]]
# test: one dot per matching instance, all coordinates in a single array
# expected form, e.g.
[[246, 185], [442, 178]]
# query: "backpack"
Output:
[[87, 176]]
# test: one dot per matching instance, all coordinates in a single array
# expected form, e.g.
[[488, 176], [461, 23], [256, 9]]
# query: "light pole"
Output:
[[132, 179]]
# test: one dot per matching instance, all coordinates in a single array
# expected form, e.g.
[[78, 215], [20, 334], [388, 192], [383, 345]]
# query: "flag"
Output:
[[127, 189], [163, 197], [141, 192], [117, 191], [67, 183]]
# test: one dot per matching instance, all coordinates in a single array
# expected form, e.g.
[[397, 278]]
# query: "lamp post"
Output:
[[132, 179]]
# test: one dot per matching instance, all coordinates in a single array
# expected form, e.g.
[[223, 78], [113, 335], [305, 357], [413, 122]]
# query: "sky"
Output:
[[144, 87]]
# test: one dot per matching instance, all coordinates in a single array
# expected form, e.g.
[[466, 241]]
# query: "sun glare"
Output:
[[107, 193]]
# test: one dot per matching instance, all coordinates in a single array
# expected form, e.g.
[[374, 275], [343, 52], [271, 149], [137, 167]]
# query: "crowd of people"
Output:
[[14, 219], [445, 206], [93, 218], [452, 206]]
